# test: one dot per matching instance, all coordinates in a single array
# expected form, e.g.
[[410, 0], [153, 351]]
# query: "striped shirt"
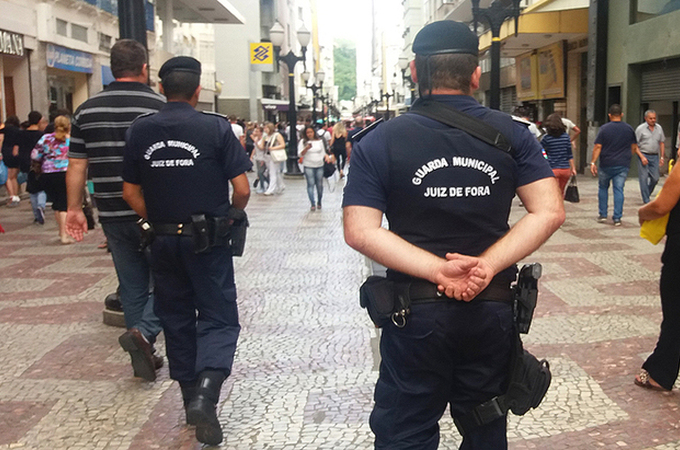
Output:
[[558, 150], [98, 135]]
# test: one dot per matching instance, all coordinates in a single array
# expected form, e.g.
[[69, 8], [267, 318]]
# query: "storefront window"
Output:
[[642, 10]]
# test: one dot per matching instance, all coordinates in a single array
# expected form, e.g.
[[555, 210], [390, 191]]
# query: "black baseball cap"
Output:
[[445, 36], [180, 64]]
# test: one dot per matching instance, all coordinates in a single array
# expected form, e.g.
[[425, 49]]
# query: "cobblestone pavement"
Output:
[[307, 362]]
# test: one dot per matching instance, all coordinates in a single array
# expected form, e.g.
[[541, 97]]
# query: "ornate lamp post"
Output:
[[320, 76], [495, 15], [387, 96], [403, 65], [277, 35]]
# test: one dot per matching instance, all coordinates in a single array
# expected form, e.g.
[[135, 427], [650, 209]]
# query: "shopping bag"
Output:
[[278, 155], [654, 230], [571, 195]]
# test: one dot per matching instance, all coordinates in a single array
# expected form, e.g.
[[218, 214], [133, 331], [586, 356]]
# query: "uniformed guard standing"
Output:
[[447, 197], [177, 169]]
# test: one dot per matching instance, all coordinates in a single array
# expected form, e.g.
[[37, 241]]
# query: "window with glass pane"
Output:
[[648, 9], [62, 27], [79, 32]]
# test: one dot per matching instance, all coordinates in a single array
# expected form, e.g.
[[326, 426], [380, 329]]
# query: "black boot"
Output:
[[188, 393], [202, 408]]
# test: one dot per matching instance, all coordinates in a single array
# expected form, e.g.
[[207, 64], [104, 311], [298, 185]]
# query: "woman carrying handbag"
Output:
[[273, 145]]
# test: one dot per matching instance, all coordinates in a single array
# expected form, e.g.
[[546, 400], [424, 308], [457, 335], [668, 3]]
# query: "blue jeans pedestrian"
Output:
[[617, 175], [314, 177], [649, 176], [134, 277], [38, 201]]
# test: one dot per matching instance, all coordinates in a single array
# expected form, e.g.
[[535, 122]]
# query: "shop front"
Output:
[[68, 71], [14, 76]]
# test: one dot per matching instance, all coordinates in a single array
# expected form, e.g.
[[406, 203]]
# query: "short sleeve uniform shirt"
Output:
[[183, 159]]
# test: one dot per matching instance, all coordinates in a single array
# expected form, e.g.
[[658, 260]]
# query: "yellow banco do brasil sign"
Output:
[[261, 53]]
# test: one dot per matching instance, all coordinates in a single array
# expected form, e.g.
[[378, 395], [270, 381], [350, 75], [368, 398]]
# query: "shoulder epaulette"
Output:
[[213, 113], [518, 119], [144, 115]]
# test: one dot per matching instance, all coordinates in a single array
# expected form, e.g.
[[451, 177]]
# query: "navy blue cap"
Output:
[[445, 36], [180, 64]]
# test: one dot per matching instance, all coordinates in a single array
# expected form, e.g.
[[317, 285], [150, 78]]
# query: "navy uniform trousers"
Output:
[[185, 283], [449, 353]]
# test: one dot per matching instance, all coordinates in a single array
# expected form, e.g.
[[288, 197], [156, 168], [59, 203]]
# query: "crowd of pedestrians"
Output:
[[55, 157]]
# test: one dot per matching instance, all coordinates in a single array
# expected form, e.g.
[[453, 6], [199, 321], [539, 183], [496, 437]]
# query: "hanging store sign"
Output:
[[59, 57], [551, 71], [261, 53], [11, 43], [527, 76]]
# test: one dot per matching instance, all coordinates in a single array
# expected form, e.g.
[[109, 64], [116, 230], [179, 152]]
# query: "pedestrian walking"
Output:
[[651, 141], [447, 196], [51, 154], [339, 146], [10, 157], [614, 145], [97, 141], [557, 147], [660, 369], [313, 154], [273, 140], [259, 159], [177, 170]]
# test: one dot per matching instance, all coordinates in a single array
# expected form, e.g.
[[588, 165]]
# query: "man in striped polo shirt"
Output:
[[97, 142]]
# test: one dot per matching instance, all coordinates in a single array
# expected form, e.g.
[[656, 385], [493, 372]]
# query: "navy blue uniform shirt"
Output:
[[183, 159], [440, 188]]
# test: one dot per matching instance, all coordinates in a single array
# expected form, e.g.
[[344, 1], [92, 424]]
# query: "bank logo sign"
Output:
[[261, 53], [11, 43], [59, 57]]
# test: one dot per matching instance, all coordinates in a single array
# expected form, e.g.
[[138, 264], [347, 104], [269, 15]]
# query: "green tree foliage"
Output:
[[345, 69]]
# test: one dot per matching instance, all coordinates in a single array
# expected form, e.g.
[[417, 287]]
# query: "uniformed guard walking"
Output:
[[177, 169], [447, 193]]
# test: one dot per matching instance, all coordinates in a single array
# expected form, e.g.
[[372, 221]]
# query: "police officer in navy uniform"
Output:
[[178, 165], [447, 197]]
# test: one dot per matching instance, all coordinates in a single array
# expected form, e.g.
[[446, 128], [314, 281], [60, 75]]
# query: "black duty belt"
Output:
[[425, 292], [173, 229]]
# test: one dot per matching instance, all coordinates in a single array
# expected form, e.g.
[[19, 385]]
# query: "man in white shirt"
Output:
[[238, 130]]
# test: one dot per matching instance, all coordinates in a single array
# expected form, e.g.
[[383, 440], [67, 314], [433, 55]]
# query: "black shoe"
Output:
[[112, 302], [202, 410], [256, 182], [140, 352]]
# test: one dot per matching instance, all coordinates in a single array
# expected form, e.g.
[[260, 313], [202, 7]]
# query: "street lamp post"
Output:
[[387, 96], [495, 15], [403, 65], [320, 76], [277, 34]]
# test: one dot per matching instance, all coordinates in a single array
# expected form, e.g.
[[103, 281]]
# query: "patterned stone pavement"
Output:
[[307, 362]]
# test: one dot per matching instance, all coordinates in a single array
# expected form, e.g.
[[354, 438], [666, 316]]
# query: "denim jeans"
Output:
[[314, 177], [617, 175], [134, 277], [38, 200], [649, 176]]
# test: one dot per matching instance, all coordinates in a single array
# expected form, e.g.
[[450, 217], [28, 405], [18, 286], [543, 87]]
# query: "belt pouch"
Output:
[[200, 234], [238, 230], [377, 295], [220, 233]]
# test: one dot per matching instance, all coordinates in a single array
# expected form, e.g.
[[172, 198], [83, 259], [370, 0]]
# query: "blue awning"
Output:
[[107, 76]]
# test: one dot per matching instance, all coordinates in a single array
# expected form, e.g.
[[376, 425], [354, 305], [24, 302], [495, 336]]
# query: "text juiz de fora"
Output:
[[456, 191]]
